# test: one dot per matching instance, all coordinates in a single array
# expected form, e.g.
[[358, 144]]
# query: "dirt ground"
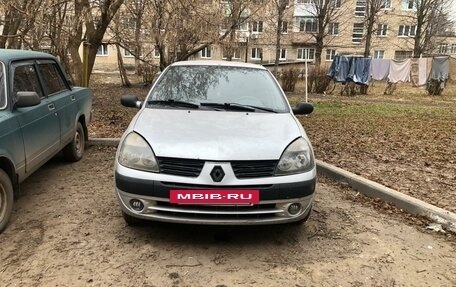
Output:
[[67, 230]]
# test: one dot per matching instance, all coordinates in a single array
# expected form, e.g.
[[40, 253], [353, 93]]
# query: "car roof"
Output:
[[8, 55], [218, 63]]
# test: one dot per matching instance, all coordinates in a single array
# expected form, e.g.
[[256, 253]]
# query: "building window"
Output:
[[385, 4], [236, 54], [406, 31], [257, 26], [360, 9], [336, 3], [382, 29], [103, 50], [283, 54], [307, 24], [127, 53], [333, 28], [379, 54], [284, 27], [330, 54], [402, 55], [306, 54], [206, 53], [156, 52], [443, 48], [453, 48], [408, 4], [243, 25], [358, 32], [257, 54]]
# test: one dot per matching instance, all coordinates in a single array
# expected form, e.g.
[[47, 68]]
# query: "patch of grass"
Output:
[[409, 146]]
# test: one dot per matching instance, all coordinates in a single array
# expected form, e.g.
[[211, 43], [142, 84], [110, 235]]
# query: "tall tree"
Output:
[[326, 12], [373, 7], [432, 18], [280, 7]]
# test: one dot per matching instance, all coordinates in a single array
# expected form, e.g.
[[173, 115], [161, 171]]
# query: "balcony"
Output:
[[302, 38]]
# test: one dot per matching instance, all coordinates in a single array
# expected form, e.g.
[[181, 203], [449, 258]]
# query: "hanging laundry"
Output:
[[399, 71], [418, 71], [380, 69], [360, 70], [339, 69], [439, 75], [440, 69]]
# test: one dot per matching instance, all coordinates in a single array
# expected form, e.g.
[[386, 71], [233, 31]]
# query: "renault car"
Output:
[[215, 142]]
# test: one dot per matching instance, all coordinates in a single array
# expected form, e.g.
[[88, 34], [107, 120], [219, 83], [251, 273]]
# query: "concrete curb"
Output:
[[104, 141], [363, 185], [400, 200]]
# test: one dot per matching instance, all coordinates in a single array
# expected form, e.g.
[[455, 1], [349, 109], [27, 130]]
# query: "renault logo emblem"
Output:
[[217, 173]]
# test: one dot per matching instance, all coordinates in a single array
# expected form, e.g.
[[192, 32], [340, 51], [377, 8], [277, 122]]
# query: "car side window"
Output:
[[52, 78], [26, 80], [2, 88]]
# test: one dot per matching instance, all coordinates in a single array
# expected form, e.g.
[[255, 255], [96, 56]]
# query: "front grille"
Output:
[[180, 167], [193, 167], [253, 169], [240, 212]]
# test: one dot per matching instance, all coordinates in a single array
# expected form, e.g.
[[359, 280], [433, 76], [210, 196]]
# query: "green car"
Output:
[[41, 114]]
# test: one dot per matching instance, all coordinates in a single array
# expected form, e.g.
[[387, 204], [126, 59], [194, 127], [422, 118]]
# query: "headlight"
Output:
[[297, 158], [136, 153]]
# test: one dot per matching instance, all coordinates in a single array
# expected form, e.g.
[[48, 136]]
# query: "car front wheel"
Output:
[[75, 149], [6, 199]]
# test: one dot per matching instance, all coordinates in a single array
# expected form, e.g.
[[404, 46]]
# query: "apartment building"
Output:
[[393, 35]]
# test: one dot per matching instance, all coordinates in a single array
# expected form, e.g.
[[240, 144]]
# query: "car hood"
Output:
[[216, 135]]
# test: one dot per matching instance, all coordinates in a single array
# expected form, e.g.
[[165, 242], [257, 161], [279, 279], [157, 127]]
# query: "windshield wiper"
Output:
[[236, 106], [229, 106], [262, 108], [173, 103]]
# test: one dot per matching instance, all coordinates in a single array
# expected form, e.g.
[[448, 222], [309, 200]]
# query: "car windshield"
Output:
[[219, 87]]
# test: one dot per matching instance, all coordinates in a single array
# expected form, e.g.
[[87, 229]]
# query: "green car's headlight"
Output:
[[297, 158], [136, 153]]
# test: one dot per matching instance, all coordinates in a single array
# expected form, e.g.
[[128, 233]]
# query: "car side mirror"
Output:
[[303, 109], [27, 99], [130, 101]]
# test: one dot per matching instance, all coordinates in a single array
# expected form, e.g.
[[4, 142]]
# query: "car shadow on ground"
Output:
[[204, 235]]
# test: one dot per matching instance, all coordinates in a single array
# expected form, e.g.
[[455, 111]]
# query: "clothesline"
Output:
[[364, 70]]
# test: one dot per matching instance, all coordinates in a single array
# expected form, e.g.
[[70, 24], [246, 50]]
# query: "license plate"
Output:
[[216, 196]]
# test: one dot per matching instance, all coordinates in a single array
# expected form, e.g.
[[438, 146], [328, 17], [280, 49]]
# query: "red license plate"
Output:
[[216, 196]]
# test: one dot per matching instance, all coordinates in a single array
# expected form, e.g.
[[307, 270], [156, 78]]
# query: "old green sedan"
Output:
[[41, 114]]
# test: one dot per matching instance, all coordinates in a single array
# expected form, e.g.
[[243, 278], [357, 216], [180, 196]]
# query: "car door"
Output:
[[57, 90], [39, 124]]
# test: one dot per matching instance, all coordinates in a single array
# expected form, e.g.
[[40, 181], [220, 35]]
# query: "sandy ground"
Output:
[[67, 230]]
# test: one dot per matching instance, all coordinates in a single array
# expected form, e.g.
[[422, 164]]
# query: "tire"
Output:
[[130, 220], [6, 199], [75, 149]]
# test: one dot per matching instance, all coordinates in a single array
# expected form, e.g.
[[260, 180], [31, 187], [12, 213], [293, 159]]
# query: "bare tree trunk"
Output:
[[281, 5], [122, 71]]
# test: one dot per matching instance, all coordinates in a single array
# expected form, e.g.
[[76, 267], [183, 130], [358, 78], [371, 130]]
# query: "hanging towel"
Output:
[[360, 70], [380, 69], [399, 71], [339, 69], [418, 71], [440, 69]]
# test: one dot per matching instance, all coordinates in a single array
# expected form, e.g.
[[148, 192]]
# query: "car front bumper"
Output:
[[273, 208]]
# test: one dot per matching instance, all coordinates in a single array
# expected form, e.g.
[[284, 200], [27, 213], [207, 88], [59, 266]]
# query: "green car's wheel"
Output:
[[75, 149], [6, 199]]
